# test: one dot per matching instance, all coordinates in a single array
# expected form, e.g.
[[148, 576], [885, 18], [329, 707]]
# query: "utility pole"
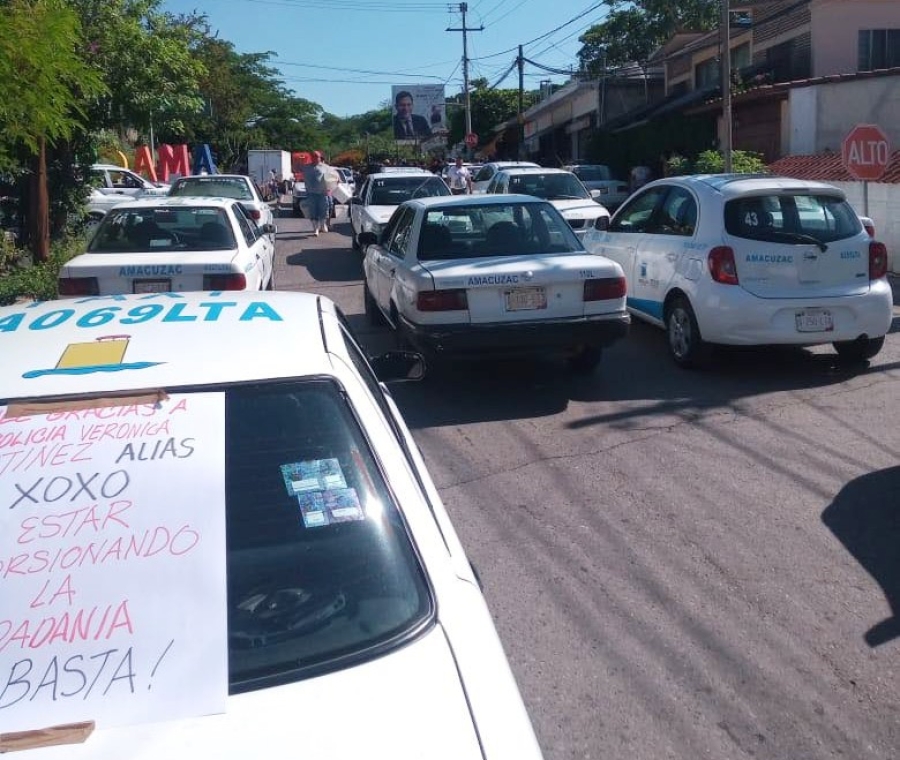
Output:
[[463, 8], [520, 62], [725, 36]]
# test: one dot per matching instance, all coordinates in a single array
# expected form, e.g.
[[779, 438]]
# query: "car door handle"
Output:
[[671, 256]]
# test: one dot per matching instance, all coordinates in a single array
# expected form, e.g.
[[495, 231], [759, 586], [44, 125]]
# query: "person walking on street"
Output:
[[460, 178], [320, 180]]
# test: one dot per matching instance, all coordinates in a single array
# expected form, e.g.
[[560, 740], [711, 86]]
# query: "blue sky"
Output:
[[346, 54]]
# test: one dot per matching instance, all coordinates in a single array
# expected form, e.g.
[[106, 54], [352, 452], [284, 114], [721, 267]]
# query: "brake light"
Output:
[[254, 214], [878, 262], [232, 281], [722, 266], [78, 286], [604, 289], [442, 300]]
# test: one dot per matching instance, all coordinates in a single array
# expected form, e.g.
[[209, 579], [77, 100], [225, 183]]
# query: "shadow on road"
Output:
[[865, 518], [333, 264]]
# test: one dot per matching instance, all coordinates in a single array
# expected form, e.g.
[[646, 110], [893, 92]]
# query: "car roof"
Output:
[[534, 170], [480, 199], [214, 176], [402, 175], [734, 185], [504, 164], [169, 201], [54, 348]]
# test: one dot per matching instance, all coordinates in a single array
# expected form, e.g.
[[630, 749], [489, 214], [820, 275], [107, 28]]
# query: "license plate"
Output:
[[814, 320], [522, 299], [152, 286]]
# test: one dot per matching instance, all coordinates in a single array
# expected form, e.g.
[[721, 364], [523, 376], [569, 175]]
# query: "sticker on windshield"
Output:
[[320, 508], [314, 475]]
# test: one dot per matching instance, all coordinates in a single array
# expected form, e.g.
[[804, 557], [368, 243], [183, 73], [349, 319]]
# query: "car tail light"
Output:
[[722, 266], [254, 214], [78, 286], [442, 300], [604, 289], [232, 281], [868, 226], [878, 262]]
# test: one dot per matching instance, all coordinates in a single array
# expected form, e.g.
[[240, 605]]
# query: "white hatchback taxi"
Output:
[[381, 193], [749, 260], [218, 539], [579, 206], [492, 275], [173, 244]]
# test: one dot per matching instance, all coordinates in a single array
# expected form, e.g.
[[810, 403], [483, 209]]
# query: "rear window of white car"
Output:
[[498, 229], [151, 230], [321, 570], [392, 191], [213, 187], [791, 218], [598, 173], [551, 187]]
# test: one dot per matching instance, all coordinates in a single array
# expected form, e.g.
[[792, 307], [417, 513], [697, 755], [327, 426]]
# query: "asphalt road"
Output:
[[681, 565]]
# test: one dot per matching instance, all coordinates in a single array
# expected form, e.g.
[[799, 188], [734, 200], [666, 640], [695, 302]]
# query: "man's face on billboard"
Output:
[[404, 106]]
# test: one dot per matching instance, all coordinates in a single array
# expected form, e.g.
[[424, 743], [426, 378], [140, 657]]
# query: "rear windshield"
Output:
[[213, 187], [154, 230], [795, 218], [498, 229], [551, 187], [321, 570], [593, 173], [392, 191]]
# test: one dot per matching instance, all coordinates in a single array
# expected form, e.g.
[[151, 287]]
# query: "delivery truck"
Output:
[[261, 162]]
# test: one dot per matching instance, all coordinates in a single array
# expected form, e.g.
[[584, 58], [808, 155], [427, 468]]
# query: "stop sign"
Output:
[[471, 139], [866, 152]]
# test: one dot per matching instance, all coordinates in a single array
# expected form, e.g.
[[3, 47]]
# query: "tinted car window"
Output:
[[321, 570], [788, 218], [548, 186], [142, 230], [392, 191], [596, 173], [677, 215], [212, 186], [637, 215]]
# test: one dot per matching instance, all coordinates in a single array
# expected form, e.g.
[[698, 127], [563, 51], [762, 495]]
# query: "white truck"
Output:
[[261, 162]]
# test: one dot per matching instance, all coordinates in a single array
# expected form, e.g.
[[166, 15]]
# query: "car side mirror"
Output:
[[367, 238], [402, 366], [269, 229], [595, 194], [601, 223]]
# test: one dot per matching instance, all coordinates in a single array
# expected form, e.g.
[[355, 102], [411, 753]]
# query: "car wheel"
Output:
[[373, 313], [859, 350], [585, 361], [686, 346]]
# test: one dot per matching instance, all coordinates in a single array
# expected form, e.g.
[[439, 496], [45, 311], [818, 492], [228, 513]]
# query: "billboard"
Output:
[[419, 111]]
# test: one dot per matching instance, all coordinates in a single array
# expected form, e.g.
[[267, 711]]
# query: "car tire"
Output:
[[686, 346], [373, 313], [859, 350], [585, 361]]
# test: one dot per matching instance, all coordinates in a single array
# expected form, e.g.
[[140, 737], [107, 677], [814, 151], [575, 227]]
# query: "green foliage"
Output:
[[677, 165], [46, 82], [490, 108], [633, 30], [742, 162], [22, 280]]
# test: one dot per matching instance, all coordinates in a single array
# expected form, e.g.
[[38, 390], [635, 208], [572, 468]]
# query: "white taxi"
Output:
[[209, 550], [749, 260], [485, 275], [173, 244], [563, 189], [237, 186], [381, 193]]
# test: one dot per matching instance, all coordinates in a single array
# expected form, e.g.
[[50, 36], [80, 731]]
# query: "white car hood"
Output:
[[380, 214], [579, 208], [405, 706]]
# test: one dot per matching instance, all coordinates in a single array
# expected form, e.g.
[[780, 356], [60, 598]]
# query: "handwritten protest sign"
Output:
[[112, 563]]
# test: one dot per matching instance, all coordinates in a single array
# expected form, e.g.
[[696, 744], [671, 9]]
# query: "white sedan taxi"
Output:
[[173, 244], [236, 186], [489, 275], [381, 193], [212, 551], [580, 207], [747, 260]]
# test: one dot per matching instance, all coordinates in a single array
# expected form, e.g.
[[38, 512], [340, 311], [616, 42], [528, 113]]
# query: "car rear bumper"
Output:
[[508, 338]]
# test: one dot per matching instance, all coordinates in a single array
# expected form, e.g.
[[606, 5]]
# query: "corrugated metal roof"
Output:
[[828, 167]]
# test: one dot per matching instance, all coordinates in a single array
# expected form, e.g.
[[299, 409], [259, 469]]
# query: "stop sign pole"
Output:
[[866, 154]]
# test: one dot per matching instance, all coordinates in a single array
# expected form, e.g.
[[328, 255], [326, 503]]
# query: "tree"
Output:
[[46, 87], [633, 30], [490, 108]]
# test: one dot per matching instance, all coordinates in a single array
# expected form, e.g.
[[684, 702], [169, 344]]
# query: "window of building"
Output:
[[879, 49]]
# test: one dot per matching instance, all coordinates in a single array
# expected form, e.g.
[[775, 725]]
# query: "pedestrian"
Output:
[[460, 178], [320, 179]]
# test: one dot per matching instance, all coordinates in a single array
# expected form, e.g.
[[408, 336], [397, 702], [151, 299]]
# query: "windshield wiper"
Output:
[[797, 237]]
